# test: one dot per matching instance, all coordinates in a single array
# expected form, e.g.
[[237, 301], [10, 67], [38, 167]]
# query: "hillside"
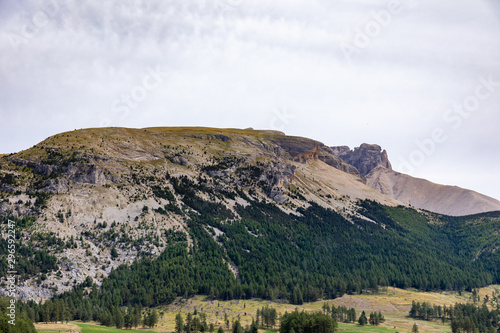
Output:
[[225, 213], [375, 168], [82, 192]]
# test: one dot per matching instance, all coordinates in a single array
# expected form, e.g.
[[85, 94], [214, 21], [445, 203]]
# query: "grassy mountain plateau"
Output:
[[114, 217]]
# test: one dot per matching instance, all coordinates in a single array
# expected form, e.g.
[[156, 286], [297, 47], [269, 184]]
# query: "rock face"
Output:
[[365, 158], [305, 151]]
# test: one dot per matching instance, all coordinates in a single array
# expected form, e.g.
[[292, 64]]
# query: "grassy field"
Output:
[[393, 303], [90, 328], [357, 328]]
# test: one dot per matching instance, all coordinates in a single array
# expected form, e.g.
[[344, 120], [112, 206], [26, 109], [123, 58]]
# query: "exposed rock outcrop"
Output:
[[178, 160], [79, 172], [278, 176], [365, 158], [222, 137], [308, 156], [306, 150]]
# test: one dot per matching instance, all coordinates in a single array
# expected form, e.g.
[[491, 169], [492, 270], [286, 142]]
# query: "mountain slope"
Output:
[[421, 193], [97, 198], [374, 166], [141, 216]]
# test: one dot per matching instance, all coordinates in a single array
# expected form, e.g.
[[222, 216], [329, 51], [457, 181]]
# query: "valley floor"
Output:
[[393, 303]]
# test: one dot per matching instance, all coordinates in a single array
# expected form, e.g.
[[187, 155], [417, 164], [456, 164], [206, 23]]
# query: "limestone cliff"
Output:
[[365, 158]]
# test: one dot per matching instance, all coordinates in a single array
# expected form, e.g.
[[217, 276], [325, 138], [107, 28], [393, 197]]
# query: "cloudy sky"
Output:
[[419, 77]]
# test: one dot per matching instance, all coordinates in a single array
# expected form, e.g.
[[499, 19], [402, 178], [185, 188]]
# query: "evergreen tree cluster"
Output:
[[59, 310], [303, 322], [463, 317], [193, 324], [266, 317], [340, 313], [33, 258], [197, 323], [376, 318], [19, 323]]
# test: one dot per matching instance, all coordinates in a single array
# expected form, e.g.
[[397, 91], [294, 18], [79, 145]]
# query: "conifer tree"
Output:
[[362, 319], [179, 323]]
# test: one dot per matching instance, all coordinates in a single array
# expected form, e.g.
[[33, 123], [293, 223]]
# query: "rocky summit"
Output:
[[365, 158]]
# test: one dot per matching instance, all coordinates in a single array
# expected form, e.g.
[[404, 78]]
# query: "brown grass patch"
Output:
[[57, 328]]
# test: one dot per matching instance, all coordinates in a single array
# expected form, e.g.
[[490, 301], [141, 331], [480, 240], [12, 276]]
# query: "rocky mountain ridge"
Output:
[[88, 201]]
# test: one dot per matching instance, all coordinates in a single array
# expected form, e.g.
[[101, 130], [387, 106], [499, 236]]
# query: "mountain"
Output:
[[114, 216], [84, 192], [373, 164]]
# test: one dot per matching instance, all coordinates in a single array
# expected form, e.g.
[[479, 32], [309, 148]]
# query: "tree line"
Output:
[[462, 317]]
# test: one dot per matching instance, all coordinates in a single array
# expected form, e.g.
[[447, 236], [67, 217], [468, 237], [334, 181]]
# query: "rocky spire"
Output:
[[365, 157]]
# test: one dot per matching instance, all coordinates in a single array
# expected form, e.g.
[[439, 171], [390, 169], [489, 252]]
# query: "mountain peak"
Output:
[[373, 165], [365, 158]]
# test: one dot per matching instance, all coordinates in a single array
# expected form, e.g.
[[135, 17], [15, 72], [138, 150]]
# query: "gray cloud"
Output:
[[231, 63]]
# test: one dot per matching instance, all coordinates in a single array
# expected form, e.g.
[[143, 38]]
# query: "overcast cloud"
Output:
[[343, 72]]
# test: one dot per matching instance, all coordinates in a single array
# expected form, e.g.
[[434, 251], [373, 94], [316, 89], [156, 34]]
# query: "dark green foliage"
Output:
[[19, 322], [268, 317], [114, 253], [362, 319], [151, 318], [41, 200], [163, 192], [175, 236], [186, 187], [341, 313], [171, 207], [21, 222], [223, 163], [376, 318], [30, 262], [176, 272], [303, 322], [463, 317], [237, 327], [8, 179], [179, 323]]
